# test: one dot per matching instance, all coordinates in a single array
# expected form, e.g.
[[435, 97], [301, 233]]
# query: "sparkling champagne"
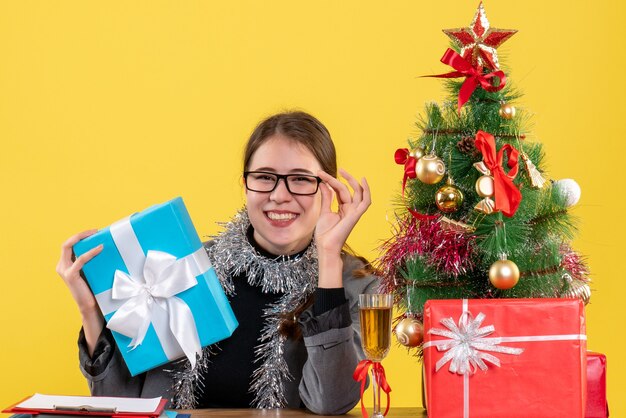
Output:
[[375, 332]]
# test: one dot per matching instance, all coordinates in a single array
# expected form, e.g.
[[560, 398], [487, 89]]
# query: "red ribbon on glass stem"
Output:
[[474, 76], [360, 375], [507, 195]]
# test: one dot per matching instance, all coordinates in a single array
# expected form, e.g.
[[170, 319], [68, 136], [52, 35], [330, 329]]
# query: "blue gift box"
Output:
[[166, 228]]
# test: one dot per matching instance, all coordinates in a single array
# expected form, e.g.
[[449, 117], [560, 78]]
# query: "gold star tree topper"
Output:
[[479, 41]]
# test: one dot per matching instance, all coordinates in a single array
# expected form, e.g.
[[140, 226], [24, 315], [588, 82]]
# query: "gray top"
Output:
[[321, 363]]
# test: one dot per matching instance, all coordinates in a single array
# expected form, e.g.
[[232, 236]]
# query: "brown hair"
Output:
[[308, 131], [301, 128]]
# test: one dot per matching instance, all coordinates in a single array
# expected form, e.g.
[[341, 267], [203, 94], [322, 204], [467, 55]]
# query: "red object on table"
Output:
[[546, 379], [597, 405]]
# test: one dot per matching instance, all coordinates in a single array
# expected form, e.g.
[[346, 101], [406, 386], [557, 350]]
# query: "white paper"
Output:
[[39, 401]]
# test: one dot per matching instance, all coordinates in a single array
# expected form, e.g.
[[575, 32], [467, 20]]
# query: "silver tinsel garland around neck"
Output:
[[295, 277]]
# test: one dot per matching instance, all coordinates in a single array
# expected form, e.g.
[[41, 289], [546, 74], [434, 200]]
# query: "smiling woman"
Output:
[[291, 280], [283, 222]]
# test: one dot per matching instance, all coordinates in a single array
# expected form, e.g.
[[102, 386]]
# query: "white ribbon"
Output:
[[146, 294], [467, 343], [466, 347]]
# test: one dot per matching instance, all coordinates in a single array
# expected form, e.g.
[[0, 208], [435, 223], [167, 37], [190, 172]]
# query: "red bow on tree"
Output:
[[360, 375], [474, 76], [403, 156], [507, 195]]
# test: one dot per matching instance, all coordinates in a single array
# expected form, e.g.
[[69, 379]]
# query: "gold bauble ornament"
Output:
[[506, 111], [448, 198], [417, 153], [485, 186], [503, 274], [410, 332], [430, 169]]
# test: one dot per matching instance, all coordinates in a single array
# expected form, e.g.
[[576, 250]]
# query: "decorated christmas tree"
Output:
[[478, 216]]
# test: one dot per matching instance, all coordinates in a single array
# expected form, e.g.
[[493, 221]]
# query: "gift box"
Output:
[[156, 288], [597, 405], [505, 358]]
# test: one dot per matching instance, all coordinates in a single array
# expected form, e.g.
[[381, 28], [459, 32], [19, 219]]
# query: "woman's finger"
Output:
[[84, 258], [367, 195], [327, 197], [356, 187], [66, 249], [75, 238], [341, 190]]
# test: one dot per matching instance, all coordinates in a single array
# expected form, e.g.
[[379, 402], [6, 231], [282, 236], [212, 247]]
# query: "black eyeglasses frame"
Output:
[[284, 177]]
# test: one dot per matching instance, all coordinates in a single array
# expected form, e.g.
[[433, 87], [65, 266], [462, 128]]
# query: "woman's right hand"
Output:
[[69, 270]]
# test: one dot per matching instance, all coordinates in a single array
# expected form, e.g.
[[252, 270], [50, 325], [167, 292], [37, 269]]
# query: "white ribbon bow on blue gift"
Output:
[[147, 295], [163, 277]]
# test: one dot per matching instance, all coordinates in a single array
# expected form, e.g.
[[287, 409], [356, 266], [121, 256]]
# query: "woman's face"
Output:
[[283, 223]]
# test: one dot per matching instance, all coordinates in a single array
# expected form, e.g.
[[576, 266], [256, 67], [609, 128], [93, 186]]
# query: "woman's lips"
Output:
[[280, 218]]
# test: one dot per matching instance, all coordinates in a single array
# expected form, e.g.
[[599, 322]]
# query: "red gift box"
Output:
[[597, 406], [505, 358]]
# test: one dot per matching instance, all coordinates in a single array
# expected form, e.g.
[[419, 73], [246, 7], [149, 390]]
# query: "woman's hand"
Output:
[[333, 228], [70, 272]]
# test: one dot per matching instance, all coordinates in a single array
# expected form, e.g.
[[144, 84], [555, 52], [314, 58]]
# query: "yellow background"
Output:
[[109, 107]]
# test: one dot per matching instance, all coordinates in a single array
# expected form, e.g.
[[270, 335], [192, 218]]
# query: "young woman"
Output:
[[292, 284]]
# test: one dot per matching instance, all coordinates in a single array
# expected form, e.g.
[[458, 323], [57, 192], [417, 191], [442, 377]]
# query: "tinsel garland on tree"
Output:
[[478, 218]]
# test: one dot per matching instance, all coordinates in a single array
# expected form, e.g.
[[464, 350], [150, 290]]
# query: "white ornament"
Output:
[[570, 190]]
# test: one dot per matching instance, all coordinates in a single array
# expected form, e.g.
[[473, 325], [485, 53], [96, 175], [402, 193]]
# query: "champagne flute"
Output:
[[375, 317]]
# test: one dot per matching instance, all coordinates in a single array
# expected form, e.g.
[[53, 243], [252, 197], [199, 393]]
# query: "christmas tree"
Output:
[[478, 217]]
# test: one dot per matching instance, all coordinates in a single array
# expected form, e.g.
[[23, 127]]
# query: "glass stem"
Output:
[[376, 390]]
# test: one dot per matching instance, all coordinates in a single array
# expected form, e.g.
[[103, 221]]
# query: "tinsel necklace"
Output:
[[294, 277]]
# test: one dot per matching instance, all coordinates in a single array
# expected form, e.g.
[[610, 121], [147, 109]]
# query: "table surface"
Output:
[[288, 413]]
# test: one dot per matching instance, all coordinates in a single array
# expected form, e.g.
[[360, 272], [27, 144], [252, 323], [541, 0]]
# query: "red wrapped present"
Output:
[[505, 358], [597, 406]]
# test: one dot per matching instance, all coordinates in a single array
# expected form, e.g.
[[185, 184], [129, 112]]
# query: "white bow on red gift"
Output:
[[467, 345]]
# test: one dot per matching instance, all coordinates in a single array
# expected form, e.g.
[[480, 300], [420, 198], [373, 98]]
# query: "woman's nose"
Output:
[[280, 192]]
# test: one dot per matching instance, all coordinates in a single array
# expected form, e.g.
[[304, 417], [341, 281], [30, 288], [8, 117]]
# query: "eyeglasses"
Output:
[[297, 184]]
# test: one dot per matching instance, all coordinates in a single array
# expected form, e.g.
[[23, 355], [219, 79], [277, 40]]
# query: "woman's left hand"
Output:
[[333, 228]]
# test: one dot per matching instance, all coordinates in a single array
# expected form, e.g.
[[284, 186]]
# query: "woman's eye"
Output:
[[264, 177], [304, 179]]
